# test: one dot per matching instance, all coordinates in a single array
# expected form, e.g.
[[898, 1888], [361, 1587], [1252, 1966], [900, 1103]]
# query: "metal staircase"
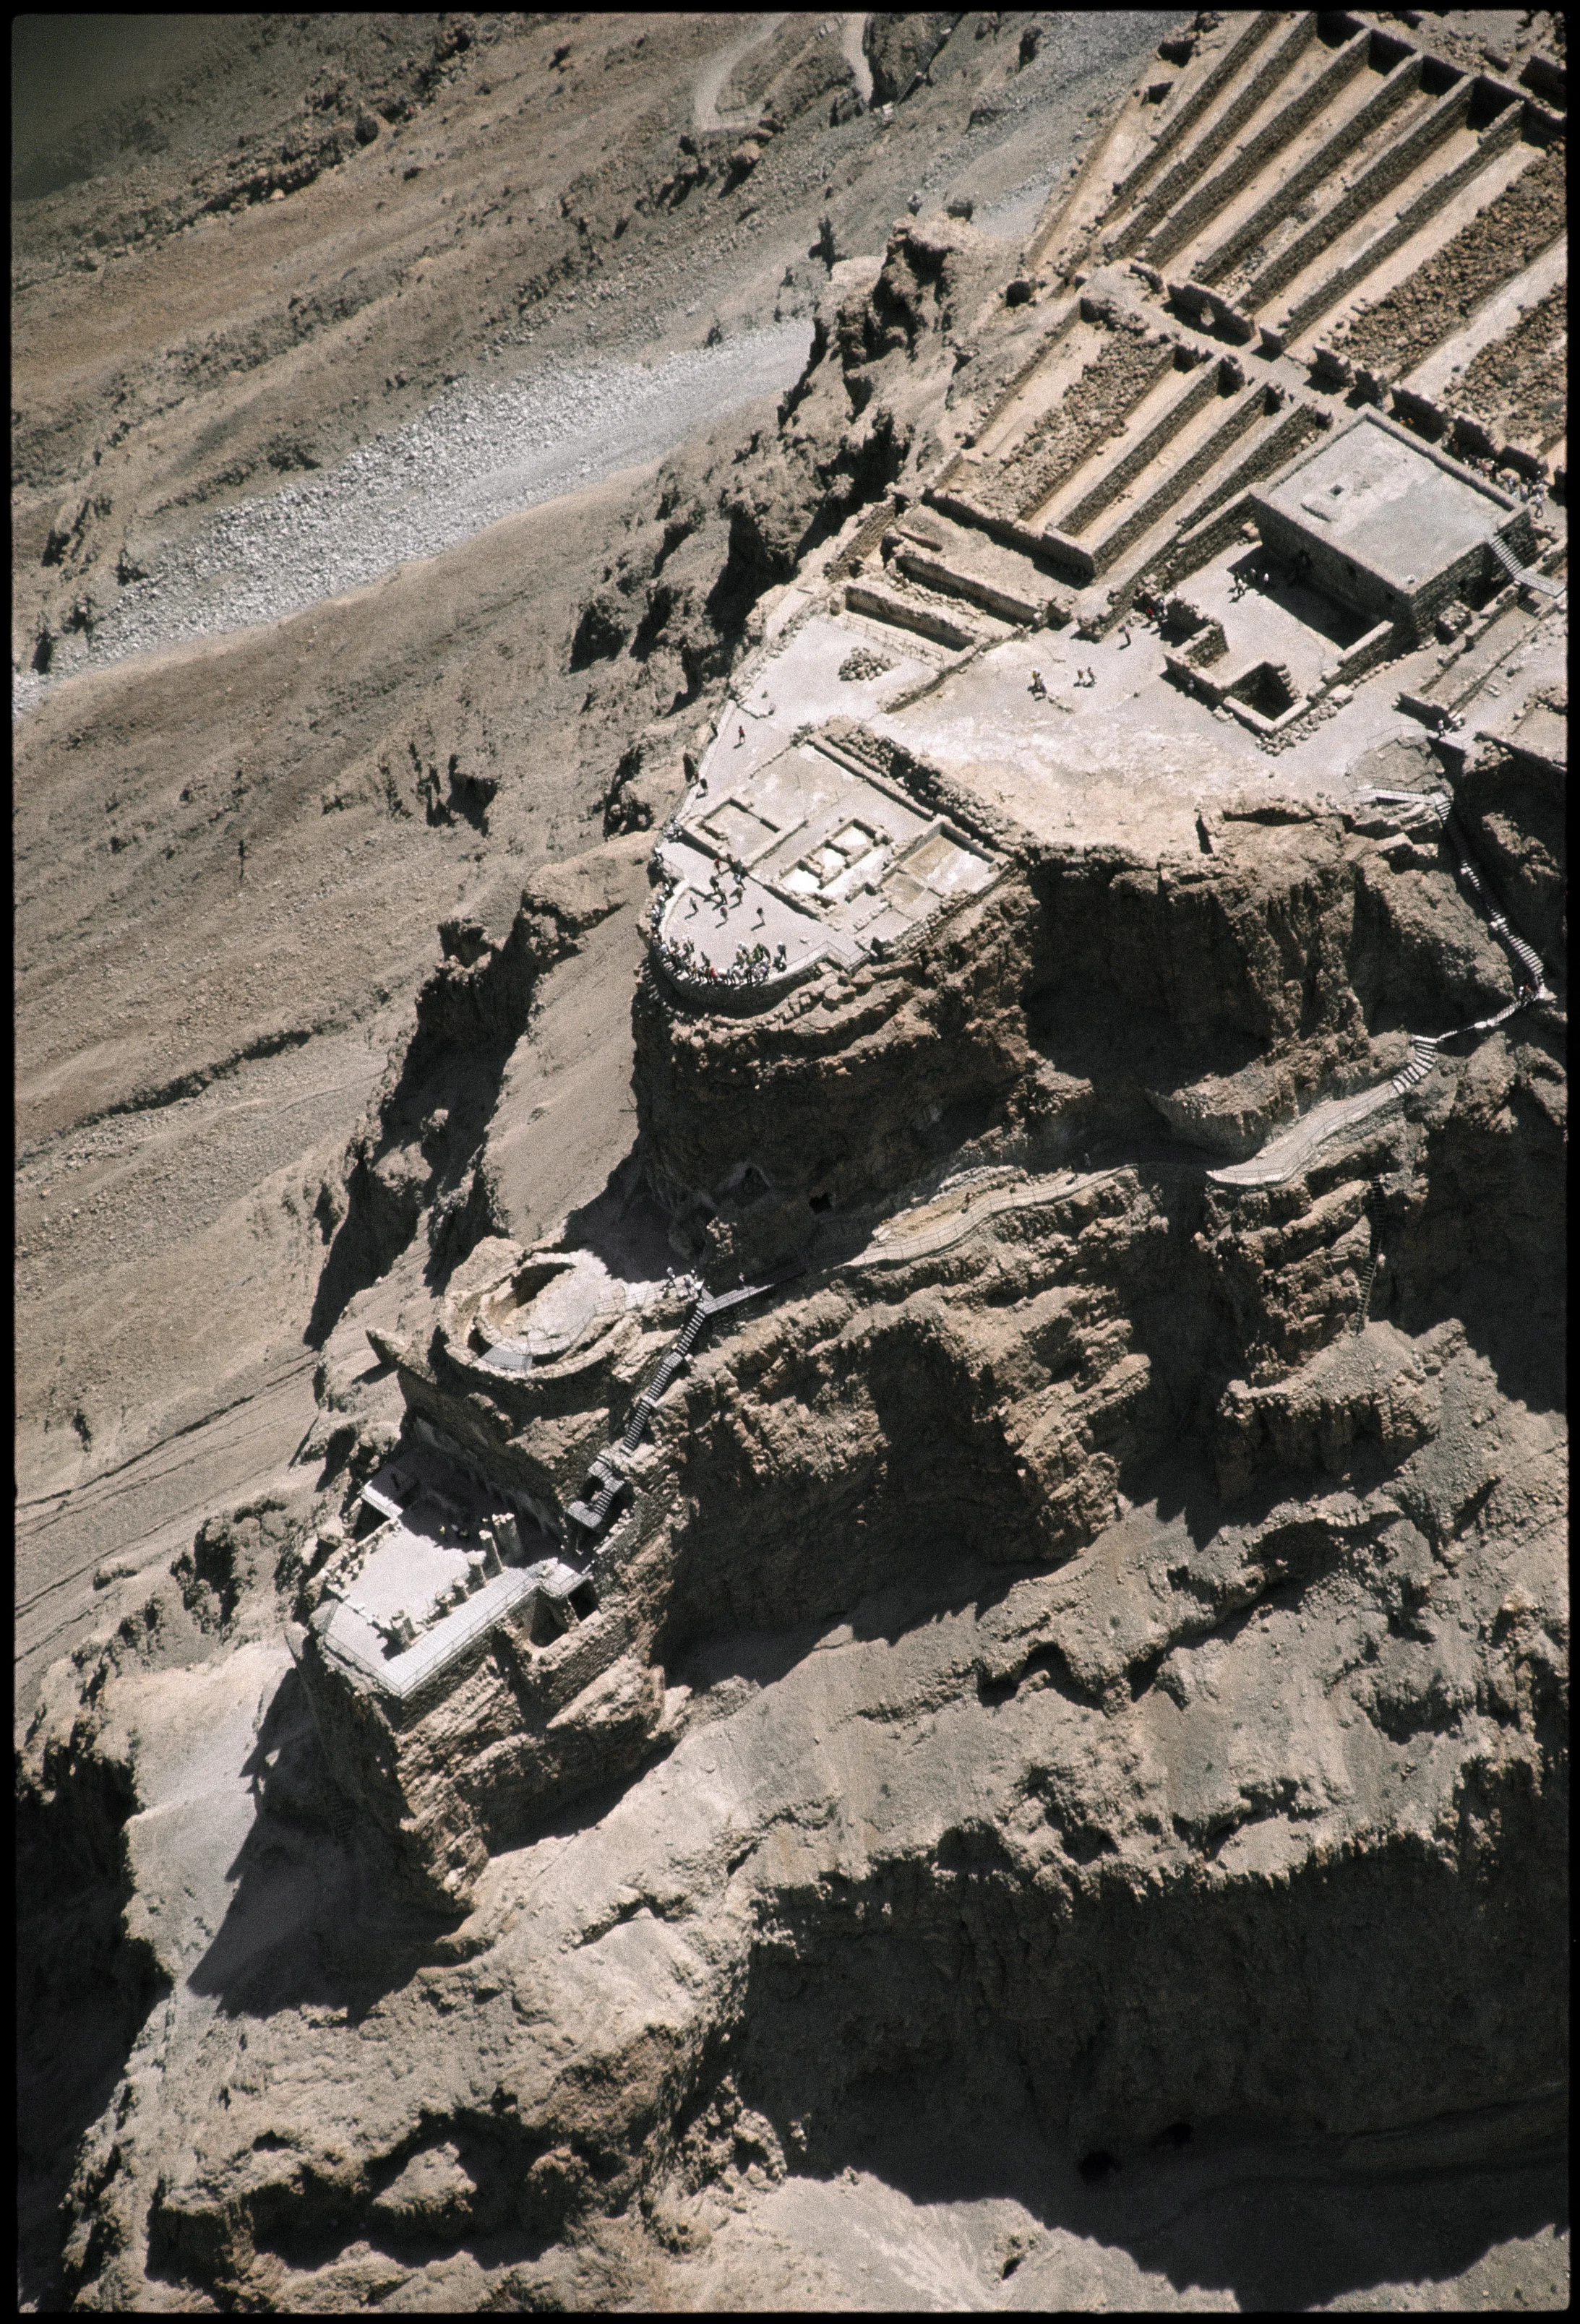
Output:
[[1374, 1210], [1526, 577], [1423, 1056], [1529, 974], [607, 1472]]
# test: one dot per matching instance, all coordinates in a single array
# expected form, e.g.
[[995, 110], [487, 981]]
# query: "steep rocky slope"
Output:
[[1067, 1804]]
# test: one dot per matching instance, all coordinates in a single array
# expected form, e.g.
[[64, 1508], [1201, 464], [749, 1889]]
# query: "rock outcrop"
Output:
[[1057, 1651]]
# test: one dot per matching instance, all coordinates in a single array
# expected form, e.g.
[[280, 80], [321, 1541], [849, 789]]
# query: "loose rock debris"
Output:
[[932, 1408]]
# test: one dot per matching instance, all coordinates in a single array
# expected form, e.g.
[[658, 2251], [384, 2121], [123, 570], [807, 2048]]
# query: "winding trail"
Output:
[[138, 1514], [711, 79], [852, 29]]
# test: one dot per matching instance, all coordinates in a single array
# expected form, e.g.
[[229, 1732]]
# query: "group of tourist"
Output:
[[752, 965], [1522, 486], [1038, 691], [723, 902]]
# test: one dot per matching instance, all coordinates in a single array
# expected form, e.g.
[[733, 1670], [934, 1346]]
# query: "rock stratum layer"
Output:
[[1021, 1758]]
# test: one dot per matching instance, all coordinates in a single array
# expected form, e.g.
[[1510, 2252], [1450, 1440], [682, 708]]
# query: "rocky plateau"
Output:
[[1050, 1787]]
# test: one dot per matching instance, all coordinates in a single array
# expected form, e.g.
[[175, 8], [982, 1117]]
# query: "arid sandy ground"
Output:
[[173, 362], [255, 257]]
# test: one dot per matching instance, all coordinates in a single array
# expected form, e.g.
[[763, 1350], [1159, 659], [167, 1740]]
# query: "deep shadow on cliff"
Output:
[[74, 1965]]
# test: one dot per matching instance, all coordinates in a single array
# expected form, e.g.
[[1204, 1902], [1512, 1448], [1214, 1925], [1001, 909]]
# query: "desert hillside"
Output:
[[791, 985]]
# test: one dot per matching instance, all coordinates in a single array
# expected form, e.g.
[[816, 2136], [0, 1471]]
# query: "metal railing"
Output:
[[592, 1517], [1523, 573]]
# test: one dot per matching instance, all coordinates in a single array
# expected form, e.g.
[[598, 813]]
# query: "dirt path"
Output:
[[716, 73], [711, 79], [850, 41], [142, 1512]]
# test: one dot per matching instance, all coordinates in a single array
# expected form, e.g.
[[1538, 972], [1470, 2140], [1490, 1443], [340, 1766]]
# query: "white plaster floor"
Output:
[[1128, 761]]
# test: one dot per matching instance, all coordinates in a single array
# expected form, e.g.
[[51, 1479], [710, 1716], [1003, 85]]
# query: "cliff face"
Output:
[[1167, 1836], [1011, 1364], [1089, 994], [1063, 1718], [828, 1101], [1008, 1364], [1053, 1650]]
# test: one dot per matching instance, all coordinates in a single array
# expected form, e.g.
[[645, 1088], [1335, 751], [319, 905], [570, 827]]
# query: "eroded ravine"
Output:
[[1026, 1764]]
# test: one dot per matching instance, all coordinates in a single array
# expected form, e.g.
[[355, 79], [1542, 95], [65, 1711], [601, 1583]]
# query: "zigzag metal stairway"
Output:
[[1294, 1149], [591, 1517]]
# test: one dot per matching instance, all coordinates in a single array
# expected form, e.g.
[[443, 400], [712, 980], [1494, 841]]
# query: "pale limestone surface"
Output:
[[808, 855], [1086, 1670]]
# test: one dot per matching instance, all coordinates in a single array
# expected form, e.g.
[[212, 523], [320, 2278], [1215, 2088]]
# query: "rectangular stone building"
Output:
[[1388, 525]]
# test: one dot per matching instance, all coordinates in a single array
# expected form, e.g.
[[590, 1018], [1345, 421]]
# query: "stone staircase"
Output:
[[923, 612], [954, 561]]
